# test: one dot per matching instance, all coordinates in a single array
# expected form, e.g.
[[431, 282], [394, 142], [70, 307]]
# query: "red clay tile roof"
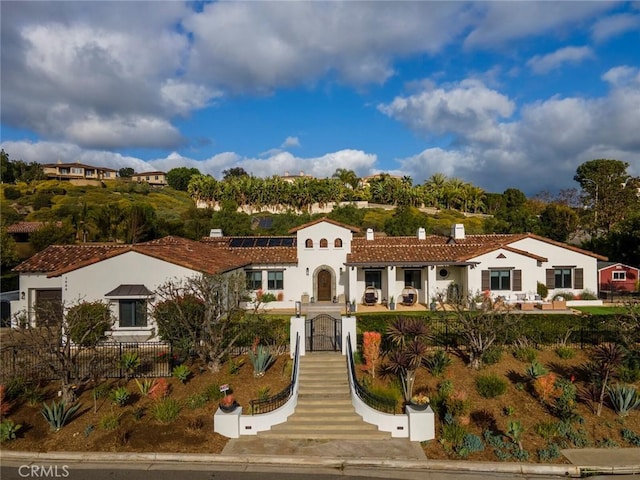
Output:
[[78, 165], [439, 249], [27, 227], [58, 259], [328, 220]]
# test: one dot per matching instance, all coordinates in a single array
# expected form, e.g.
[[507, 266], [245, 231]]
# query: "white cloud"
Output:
[[614, 25], [467, 109], [501, 22], [290, 142], [622, 76], [277, 164], [541, 64], [261, 46]]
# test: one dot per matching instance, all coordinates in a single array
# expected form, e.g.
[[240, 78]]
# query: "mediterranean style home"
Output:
[[321, 261], [154, 179], [78, 172]]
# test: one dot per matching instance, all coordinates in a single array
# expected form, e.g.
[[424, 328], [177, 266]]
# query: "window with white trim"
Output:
[[619, 276], [563, 277], [254, 280], [275, 280], [412, 278], [373, 278], [133, 313], [500, 279]]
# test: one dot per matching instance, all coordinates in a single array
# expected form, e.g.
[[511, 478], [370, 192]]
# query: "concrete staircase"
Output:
[[324, 409]]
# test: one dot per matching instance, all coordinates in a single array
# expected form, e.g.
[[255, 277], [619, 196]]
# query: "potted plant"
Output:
[[228, 403], [419, 401], [392, 303]]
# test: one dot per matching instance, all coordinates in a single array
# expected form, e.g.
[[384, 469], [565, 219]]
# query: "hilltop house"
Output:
[[154, 179], [78, 172], [321, 261]]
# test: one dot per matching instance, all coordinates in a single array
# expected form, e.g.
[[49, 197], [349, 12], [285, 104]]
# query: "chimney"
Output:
[[286, 174], [302, 173], [215, 233], [422, 234], [457, 231], [369, 233]]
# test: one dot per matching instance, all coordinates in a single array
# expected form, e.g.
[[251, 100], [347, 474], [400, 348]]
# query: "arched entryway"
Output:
[[324, 286]]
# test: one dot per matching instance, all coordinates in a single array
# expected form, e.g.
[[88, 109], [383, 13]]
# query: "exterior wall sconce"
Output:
[[298, 308], [348, 308], [22, 295], [307, 271], [340, 270]]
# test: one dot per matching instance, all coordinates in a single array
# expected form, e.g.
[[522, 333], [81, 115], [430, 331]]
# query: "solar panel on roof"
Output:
[[236, 242], [262, 242], [247, 242], [287, 242]]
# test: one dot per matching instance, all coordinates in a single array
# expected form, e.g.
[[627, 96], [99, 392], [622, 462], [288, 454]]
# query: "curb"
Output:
[[327, 462]]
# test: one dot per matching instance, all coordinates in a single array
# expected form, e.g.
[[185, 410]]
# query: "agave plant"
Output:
[[624, 398], [129, 362], [120, 396], [261, 359], [536, 370], [58, 415]]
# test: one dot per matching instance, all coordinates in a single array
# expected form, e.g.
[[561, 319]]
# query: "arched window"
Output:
[[324, 243], [308, 243], [337, 243]]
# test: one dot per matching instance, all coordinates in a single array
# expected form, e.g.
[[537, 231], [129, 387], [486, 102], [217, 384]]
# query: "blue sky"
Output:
[[499, 94]]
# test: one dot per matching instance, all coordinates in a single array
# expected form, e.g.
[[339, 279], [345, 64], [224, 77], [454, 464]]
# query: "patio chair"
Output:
[[370, 296], [409, 296]]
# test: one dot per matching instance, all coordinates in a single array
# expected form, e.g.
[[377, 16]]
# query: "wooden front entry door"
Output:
[[324, 286]]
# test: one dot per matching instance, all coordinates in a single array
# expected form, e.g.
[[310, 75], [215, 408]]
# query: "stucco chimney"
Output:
[[457, 231], [422, 234], [369, 233], [215, 232], [302, 173]]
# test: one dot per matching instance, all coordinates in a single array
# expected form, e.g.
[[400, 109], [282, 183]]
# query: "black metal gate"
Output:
[[324, 334]]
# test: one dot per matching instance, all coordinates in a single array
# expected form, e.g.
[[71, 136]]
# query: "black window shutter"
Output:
[[551, 278], [517, 280], [486, 285], [579, 278]]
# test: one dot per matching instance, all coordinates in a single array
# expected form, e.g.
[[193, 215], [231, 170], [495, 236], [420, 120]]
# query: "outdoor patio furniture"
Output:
[[370, 296], [409, 296]]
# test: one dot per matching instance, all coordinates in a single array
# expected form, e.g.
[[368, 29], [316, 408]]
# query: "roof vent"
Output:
[[215, 233], [457, 231], [422, 234], [369, 233]]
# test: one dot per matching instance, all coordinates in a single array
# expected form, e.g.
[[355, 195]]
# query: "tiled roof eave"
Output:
[[403, 264]]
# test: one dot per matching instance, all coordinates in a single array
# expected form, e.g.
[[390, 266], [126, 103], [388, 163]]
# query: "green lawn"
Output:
[[601, 310]]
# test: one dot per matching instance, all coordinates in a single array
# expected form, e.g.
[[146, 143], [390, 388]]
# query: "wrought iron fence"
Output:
[[279, 399], [376, 402], [155, 360]]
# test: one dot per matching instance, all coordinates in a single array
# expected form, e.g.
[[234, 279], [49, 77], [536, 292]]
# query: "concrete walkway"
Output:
[[605, 457]]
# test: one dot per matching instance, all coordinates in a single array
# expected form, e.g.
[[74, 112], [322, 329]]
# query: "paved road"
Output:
[[11, 471]]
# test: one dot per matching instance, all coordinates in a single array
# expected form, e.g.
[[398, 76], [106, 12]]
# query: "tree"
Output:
[[604, 184], [234, 172], [479, 329], [405, 221], [206, 308], [126, 172], [63, 342], [9, 257], [178, 178], [558, 222], [347, 177], [58, 233], [140, 223], [408, 339]]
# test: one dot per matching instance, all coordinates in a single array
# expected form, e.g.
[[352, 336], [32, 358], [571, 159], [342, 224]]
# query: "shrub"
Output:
[[491, 386], [629, 374], [110, 421], [624, 398], [453, 434], [33, 394], [234, 366], [181, 372], [565, 353], [545, 387], [564, 295], [261, 359], [120, 396], [550, 453], [470, 444], [565, 403], [145, 386], [536, 370], [88, 322], [129, 362], [5, 404], [492, 355], [263, 392], [588, 295], [8, 430], [525, 354], [58, 415], [197, 400], [438, 363], [213, 392], [542, 290], [547, 430], [631, 437], [11, 193], [166, 411], [160, 389]]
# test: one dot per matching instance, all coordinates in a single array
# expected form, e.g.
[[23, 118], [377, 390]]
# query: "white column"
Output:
[[430, 289], [297, 327], [348, 327]]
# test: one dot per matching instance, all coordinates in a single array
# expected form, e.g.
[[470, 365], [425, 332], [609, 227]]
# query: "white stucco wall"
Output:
[[559, 256], [532, 272], [29, 283]]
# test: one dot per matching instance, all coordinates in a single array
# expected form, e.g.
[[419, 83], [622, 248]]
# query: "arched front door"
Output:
[[324, 286]]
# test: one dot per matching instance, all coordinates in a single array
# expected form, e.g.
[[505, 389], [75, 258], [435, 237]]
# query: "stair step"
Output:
[[328, 435]]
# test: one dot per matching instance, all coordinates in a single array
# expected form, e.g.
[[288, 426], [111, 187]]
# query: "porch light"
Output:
[[22, 295], [298, 308], [307, 271], [348, 308]]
